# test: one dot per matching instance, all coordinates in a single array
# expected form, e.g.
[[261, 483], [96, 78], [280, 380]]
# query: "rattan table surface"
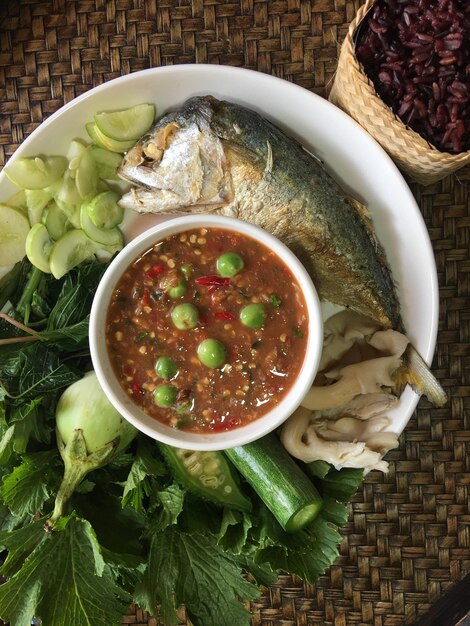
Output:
[[407, 540]]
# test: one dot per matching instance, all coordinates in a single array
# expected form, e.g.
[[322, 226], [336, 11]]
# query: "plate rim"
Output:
[[203, 68]]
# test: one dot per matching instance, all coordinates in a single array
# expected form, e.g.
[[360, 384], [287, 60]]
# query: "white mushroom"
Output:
[[301, 440], [367, 377], [342, 331]]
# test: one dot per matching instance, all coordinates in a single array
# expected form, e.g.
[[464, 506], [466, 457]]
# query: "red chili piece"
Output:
[[136, 389], [224, 315], [155, 270], [146, 297], [213, 281], [233, 423]]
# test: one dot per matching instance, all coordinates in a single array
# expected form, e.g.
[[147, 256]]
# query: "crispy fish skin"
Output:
[[275, 184], [237, 163]]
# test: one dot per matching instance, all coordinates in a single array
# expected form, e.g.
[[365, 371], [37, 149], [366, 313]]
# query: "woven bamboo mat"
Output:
[[407, 540]]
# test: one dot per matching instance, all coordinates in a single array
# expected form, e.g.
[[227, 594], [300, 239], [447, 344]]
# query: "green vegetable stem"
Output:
[[90, 433]]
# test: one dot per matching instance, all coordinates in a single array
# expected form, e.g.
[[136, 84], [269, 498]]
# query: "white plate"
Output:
[[349, 153]]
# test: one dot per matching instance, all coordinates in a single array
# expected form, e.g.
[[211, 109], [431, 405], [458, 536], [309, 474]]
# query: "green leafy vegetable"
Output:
[[200, 574], [30, 484], [64, 580]]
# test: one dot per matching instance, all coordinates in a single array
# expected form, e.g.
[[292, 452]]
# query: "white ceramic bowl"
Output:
[[152, 427]]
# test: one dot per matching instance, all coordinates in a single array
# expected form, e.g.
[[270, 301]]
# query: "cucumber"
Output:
[[69, 194], [18, 201], [38, 247], [74, 153], [86, 175], [105, 142], [106, 162], [206, 474], [128, 124], [104, 210], [105, 236], [14, 228], [36, 200], [36, 172], [70, 250], [71, 211], [55, 220], [279, 482]]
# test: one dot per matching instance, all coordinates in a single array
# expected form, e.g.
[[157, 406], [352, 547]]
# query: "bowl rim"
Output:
[[151, 426]]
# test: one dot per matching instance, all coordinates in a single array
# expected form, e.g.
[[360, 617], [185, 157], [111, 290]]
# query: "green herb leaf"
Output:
[[30, 484], [73, 303], [64, 581], [144, 467], [275, 300], [171, 502], [317, 469], [200, 574], [28, 372], [342, 484], [234, 529]]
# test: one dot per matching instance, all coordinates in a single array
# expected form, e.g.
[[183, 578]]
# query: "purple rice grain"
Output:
[[417, 53]]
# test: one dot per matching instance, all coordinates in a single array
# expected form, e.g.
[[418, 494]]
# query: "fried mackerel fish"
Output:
[[217, 156]]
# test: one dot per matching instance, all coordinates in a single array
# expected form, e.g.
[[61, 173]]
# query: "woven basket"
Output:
[[353, 92]]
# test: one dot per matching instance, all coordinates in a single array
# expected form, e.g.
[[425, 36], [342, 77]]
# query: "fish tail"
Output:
[[416, 373]]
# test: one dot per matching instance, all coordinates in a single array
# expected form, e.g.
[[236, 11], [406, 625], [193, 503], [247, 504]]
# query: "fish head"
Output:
[[181, 162]]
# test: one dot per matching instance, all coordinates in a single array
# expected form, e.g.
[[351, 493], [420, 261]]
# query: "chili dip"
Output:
[[207, 330]]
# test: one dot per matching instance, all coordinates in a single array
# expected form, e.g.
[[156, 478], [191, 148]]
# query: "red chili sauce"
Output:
[[187, 291]]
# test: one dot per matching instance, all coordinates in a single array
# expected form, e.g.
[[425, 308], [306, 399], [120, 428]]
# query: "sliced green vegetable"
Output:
[[106, 162], [70, 250], [14, 228], [206, 474], [105, 142], [55, 220], [36, 201], [279, 482], [128, 124], [86, 176], [35, 172], [104, 210], [105, 236], [68, 194], [18, 200], [38, 247]]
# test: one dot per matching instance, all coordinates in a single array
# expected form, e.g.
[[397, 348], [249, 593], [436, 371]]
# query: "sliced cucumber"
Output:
[[38, 247], [55, 220], [18, 200], [105, 236], [108, 143], [36, 200], [74, 153], [71, 211], [106, 162], [91, 130], [104, 210], [128, 124], [14, 228], [36, 172], [69, 251], [69, 194], [86, 177]]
